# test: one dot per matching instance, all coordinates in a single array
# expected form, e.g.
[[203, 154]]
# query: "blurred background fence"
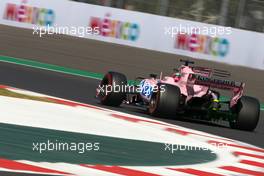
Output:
[[243, 14]]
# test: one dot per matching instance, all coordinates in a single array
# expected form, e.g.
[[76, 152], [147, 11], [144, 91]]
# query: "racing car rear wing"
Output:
[[202, 71], [221, 73], [208, 72], [216, 83], [236, 87]]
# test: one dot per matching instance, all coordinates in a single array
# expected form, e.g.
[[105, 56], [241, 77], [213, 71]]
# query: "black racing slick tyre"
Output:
[[165, 102], [112, 84], [247, 111]]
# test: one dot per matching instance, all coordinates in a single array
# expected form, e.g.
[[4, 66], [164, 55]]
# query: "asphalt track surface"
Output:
[[100, 57]]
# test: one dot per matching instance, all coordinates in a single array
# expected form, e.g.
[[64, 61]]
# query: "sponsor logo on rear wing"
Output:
[[216, 83], [236, 87], [208, 72], [202, 71]]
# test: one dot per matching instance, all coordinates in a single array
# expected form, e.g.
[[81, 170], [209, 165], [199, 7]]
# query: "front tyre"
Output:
[[166, 101], [113, 84], [247, 111]]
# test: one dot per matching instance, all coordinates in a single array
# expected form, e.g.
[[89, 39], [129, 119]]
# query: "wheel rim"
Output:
[[153, 104], [106, 82]]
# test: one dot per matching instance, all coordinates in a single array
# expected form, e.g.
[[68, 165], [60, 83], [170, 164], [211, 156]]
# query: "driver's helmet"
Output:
[[176, 75]]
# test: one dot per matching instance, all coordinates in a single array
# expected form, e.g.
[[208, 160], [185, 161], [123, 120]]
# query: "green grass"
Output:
[[8, 93]]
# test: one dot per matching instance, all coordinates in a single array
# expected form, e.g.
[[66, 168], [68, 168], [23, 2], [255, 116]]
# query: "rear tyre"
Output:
[[166, 101], [247, 110], [110, 81]]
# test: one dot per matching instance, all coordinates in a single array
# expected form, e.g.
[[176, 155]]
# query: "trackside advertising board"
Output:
[[171, 35]]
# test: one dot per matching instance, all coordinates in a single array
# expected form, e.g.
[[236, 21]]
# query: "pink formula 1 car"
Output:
[[189, 91]]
